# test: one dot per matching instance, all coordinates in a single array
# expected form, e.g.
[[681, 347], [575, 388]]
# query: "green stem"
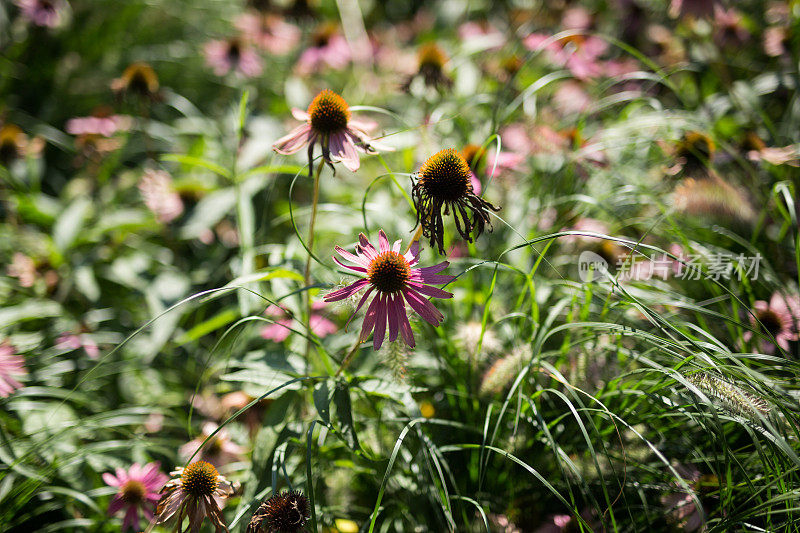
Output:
[[310, 244], [348, 357]]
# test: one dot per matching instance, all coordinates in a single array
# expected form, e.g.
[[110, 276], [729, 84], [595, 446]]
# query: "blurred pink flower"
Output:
[[392, 276], [279, 331], [100, 124], [728, 27], [695, 8], [10, 364], [43, 12], [779, 317], [328, 49], [232, 54], [580, 54], [218, 451], [159, 196], [269, 32], [483, 32], [680, 506], [138, 490], [71, 341], [23, 268], [570, 98]]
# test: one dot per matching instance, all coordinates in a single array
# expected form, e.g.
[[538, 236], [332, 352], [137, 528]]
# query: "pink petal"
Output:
[[367, 247], [394, 315], [277, 332], [353, 268], [321, 326], [350, 257], [300, 115], [423, 307], [343, 149], [360, 303], [294, 141], [110, 480], [383, 242], [370, 318], [116, 504], [405, 326], [380, 322], [476, 183], [345, 292], [431, 291]]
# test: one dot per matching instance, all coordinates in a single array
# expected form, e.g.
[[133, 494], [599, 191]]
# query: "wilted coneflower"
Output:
[[137, 490], [392, 277], [328, 122], [692, 153], [195, 492], [779, 317], [431, 60], [10, 365], [138, 79], [47, 13], [232, 54], [713, 197], [286, 512], [444, 183], [159, 195]]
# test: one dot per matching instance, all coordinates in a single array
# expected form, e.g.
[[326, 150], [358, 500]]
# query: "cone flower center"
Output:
[[328, 112], [446, 176], [389, 272], [199, 479], [133, 491], [431, 56], [770, 320]]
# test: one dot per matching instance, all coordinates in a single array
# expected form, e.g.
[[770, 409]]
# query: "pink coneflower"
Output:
[[196, 492], [328, 48], [578, 53], [681, 507], [392, 277], [47, 13], [728, 27], [779, 317], [23, 268], [269, 32], [571, 97], [159, 196], [220, 449], [481, 35], [138, 489], [72, 341], [10, 364], [328, 123], [279, 331], [101, 122], [232, 54]]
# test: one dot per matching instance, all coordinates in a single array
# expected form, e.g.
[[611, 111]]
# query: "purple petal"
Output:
[[354, 268], [360, 303], [293, 141], [405, 326], [433, 279], [367, 247], [423, 307], [383, 242], [380, 322], [300, 115], [412, 255], [393, 314], [431, 291], [433, 269], [350, 257], [369, 318], [116, 504], [345, 292]]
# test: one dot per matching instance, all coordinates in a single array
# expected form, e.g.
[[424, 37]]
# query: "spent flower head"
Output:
[[444, 183], [285, 512]]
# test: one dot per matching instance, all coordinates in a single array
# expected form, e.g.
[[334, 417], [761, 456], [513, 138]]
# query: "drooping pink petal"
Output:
[[300, 115], [350, 257], [393, 315], [294, 141], [383, 242], [350, 267], [360, 303], [427, 290], [423, 307], [110, 480], [370, 318], [380, 321], [346, 292], [116, 504], [405, 325]]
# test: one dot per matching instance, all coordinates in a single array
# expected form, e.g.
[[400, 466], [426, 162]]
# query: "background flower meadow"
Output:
[[619, 347]]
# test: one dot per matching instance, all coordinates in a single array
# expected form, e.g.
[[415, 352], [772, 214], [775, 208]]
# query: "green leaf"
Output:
[[197, 162], [70, 223], [341, 398], [322, 401]]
